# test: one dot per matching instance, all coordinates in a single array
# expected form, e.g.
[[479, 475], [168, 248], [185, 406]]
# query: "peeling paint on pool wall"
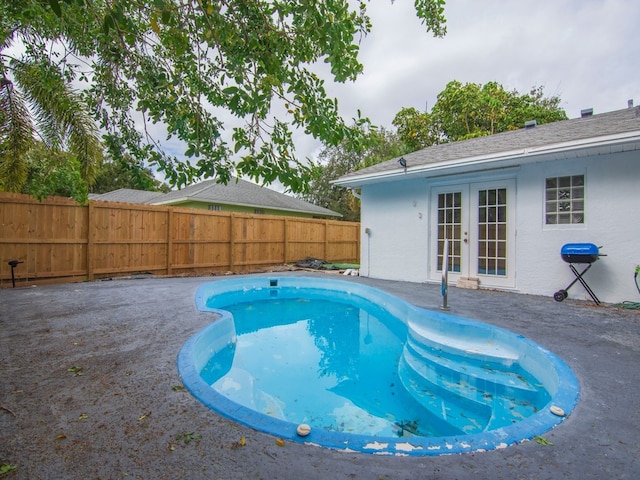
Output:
[[483, 349]]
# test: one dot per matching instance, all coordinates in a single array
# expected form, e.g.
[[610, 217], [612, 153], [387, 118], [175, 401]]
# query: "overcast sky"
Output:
[[587, 52]]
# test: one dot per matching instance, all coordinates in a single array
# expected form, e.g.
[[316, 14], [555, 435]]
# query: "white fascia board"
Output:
[[165, 202], [607, 140], [502, 159]]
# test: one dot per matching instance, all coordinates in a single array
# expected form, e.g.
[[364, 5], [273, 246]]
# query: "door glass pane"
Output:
[[492, 232], [450, 226]]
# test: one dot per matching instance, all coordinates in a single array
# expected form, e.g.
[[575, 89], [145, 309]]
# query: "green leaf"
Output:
[[108, 23], [6, 468], [542, 441], [55, 6]]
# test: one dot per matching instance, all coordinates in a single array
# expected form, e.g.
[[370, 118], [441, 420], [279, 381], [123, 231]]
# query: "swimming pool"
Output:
[[368, 371]]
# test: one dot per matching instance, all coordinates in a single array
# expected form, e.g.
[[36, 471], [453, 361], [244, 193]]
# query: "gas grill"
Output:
[[578, 253]]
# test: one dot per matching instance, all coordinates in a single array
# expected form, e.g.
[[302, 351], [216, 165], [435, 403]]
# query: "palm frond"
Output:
[[16, 137], [61, 116]]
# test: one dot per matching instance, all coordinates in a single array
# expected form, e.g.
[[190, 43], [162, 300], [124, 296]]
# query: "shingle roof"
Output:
[[236, 192], [601, 125], [126, 195], [242, 192]]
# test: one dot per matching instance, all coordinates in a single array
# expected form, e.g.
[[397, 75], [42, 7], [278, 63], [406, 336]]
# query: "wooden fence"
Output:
[[60, 241]]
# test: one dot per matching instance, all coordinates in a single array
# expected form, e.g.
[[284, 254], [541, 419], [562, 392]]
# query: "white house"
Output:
[[508, 203]]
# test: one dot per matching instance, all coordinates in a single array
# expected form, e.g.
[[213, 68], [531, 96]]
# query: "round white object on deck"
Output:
[[303, 430]]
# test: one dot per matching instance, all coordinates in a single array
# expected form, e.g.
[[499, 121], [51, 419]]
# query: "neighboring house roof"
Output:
[[588, 135], [126, 195], [237, 192]]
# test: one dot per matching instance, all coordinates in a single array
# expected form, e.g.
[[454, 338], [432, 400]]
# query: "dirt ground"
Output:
[[90, 390]]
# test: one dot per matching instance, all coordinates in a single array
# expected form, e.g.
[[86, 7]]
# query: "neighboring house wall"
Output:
[[399, 216], [244, 209]]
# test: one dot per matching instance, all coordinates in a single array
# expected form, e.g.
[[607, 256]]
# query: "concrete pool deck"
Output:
[[89, 389]]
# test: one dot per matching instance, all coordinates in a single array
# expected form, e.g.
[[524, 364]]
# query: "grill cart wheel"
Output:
[[560, 295]]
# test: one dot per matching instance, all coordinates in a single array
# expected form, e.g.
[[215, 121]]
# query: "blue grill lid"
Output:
[[579, 249]]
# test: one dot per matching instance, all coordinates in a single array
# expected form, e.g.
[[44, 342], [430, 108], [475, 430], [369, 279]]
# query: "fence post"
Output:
[[286, 240], [169, 241], [326, 239], [232, 248], [90, 237]]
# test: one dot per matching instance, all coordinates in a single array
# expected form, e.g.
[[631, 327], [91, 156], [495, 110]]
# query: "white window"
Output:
[[215, 208], [564, 200]]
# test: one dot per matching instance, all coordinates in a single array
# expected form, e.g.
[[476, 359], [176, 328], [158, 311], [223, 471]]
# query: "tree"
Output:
[[125, 172], [59, 118], [341, 159], [472, 110], [53, 172], [225, 77], [414, 128]]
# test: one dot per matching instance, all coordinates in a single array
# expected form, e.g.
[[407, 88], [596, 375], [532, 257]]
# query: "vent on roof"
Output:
[[530, 123], [587, 112]]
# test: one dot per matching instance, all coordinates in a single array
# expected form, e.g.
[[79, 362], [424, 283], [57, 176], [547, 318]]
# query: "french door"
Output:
[[477, 220]]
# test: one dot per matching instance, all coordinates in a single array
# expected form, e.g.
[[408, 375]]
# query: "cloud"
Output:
[[583, 51]]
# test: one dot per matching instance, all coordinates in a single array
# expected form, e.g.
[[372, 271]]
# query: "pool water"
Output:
[[339, 367], [367, 371]]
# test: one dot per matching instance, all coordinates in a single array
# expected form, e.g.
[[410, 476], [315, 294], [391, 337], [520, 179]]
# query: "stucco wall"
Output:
[[612, 220], [397, 214]]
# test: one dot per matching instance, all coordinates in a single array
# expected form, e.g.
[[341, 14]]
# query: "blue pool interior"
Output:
[[417, 382]]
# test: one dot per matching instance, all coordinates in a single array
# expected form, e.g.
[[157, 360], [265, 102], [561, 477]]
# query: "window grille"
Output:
[[564, 200]]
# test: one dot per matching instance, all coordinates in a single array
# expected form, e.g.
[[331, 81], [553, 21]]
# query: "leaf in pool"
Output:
[[409, 426], [542, 441]]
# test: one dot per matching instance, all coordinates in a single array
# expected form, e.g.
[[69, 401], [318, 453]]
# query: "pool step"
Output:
[[465, 415], [459, 344], [483, 378], [479, 395]]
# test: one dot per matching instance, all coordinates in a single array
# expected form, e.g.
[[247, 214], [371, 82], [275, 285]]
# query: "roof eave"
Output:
[[583, 147]]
